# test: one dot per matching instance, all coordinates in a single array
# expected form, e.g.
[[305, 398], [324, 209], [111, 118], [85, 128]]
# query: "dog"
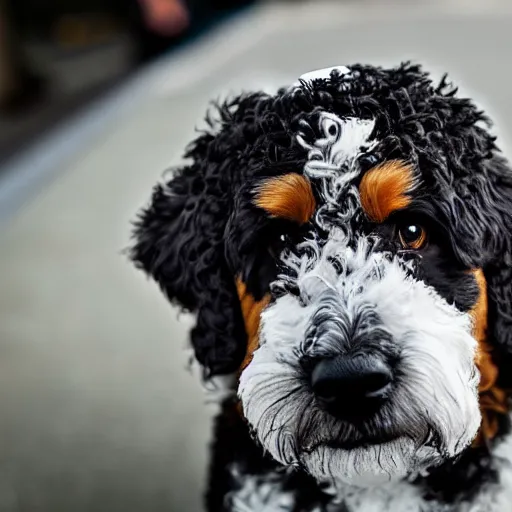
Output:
[[346, 246]]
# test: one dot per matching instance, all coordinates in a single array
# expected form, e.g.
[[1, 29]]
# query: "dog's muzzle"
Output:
[[366, 374], [352, 375]]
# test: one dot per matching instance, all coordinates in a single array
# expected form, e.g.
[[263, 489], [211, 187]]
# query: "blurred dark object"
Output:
[[58, 55], [202, 14], [169, 18], [19, 85]]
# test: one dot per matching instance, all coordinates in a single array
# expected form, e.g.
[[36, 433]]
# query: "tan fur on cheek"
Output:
[[251, 312], [385, 188], [493, 400]]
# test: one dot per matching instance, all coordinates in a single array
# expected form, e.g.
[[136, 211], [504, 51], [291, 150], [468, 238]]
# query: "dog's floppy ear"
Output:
[[498, 271], [179, 237], [495, 353], [477, 196]]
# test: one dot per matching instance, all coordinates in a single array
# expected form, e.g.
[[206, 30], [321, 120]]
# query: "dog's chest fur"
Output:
[[266, 493]]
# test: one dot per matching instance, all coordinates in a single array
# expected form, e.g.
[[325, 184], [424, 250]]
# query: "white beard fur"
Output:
[[264, 493]]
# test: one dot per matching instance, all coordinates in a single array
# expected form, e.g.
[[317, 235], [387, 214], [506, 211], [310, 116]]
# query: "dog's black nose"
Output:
[[351, 386]]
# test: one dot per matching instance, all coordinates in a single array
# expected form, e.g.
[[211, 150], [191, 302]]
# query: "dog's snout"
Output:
[[351, 386]]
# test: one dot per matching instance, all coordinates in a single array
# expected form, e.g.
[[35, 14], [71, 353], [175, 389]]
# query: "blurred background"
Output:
[[98, 409]]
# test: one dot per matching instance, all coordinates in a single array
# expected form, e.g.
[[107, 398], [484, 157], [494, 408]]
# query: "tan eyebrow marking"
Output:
[[287, 197], [385, 188]]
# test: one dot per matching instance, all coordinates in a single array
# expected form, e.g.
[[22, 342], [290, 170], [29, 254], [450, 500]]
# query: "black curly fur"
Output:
[[201, 231]]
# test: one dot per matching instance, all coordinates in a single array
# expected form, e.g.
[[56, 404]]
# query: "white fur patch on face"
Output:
[[332, 162], [435, 397], [342, 142]]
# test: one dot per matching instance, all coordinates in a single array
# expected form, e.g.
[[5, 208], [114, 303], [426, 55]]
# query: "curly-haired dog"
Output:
[[346, 245]]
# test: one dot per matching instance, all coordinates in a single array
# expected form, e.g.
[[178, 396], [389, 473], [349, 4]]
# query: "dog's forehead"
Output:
[[332, 148], [337, 143], [332, 162]]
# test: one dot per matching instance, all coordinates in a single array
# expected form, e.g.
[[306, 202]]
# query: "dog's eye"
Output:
[[276, 246], [412, 236]]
